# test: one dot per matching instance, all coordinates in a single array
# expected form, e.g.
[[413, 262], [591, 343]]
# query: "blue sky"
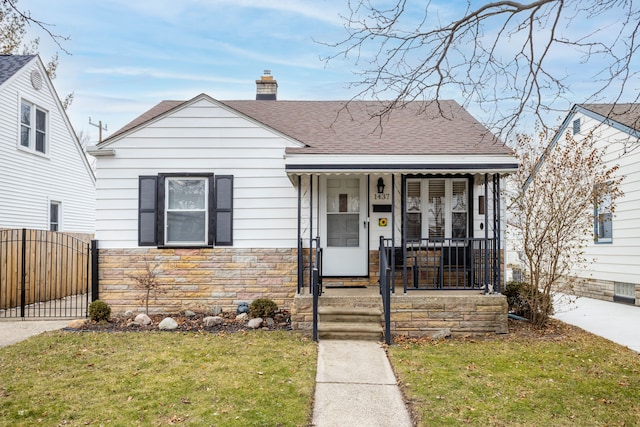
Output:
[[128, 55]]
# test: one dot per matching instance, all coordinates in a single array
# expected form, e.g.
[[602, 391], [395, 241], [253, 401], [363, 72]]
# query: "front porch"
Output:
[[413, 314]]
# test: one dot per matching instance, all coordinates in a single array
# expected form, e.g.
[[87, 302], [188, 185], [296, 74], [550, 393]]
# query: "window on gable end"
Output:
[[33, 127], [603, 214]]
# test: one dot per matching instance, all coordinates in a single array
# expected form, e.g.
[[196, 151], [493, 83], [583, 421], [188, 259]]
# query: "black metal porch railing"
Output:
[[315, 259], [445, 264], [385, 290]]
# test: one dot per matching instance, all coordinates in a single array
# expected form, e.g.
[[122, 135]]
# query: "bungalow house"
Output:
[[47, 182], [229, 201], [615, 273]]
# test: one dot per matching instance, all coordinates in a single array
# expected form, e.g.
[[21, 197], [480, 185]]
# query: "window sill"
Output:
[[32, 151], [603, 242], [185, 247]]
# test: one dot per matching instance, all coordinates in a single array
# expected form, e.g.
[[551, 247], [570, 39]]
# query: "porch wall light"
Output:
[[380, 185]]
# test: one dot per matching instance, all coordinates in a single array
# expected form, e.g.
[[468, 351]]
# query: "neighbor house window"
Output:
[[185, 210], [33, 127], [437, 208], [54, 216], [603, 215]]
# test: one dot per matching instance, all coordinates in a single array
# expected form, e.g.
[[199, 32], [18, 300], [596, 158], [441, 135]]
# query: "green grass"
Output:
[[154, 379], [573, 380]]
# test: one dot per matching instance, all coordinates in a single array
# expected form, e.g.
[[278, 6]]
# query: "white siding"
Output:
[[618, 260], [31, 181], [202, 137]]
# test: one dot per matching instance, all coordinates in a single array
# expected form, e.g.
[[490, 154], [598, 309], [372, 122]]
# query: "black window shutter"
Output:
[[147, 211], [224, 210], [161, 207]]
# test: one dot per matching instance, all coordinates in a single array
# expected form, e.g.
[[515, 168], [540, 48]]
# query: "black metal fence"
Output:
[[446, 264], [385, 290], [316, 280], [46, 274]]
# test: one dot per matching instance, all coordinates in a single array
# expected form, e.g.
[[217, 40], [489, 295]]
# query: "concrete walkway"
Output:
[[355, 386], [616, 322], [16, 330]]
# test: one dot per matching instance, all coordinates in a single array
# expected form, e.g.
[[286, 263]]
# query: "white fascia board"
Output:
[[305, 163]]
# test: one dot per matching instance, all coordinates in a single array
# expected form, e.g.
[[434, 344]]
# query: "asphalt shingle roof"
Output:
[[10, 64], [626, 114], [351, 127]]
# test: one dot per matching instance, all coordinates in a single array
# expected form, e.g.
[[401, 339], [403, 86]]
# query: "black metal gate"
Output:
[[46, 274]]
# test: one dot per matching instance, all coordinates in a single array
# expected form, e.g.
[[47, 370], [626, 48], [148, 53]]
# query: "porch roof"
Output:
[[433, 164]]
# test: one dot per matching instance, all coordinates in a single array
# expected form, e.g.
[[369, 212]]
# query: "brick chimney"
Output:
[[266, 87]]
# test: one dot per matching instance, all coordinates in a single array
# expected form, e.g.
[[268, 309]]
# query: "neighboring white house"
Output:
[[615, 273], [223, 199], [47, 182]]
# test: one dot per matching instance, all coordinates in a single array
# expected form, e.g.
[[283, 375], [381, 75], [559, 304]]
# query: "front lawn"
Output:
[[158, 378], [562, 377]]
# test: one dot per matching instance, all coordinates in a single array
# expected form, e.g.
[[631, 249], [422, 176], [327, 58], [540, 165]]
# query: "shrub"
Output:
[[262, 307], [526, 301], [99, 311]]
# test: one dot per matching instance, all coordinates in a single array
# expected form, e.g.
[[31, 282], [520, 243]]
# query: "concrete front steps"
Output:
[[350, 323]]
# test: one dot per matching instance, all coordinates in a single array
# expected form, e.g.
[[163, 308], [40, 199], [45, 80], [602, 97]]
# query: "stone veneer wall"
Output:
[[463, 314], [599, 289], [422, 314], [197, 278]]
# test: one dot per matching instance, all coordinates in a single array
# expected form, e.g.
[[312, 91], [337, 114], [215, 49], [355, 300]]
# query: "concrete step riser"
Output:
[[349, 336], [359, 323], [375, 318]]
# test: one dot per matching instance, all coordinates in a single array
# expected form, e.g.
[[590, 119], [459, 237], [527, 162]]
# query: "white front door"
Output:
[[343, 223]]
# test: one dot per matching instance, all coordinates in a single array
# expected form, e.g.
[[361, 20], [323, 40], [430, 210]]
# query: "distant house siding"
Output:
[[202, 137], [616, 261], [31, 181]]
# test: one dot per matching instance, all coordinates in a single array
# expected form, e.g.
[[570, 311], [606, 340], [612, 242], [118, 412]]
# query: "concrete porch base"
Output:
[[416, 314]]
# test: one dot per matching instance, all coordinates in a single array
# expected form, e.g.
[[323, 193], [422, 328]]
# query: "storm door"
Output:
[[343, 213]]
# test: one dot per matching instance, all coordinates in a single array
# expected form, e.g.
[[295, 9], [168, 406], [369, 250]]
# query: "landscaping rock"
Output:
[[168, 324], [441, 334], [255, 323], [189, 313], [216, 310], [142, 319], [210, 321], [128, 313], [270, 322], [77, 323], [242, 316]]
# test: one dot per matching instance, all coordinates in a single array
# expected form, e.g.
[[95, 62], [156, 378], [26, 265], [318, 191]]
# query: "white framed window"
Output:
[[185, 210], [603, 214], [55, 211], [186, 213], [33, 127], [437, 208]]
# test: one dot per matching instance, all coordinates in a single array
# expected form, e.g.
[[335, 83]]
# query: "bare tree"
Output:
[[147, 281], [552, 207], [12, 31], [13, 21], [512, 59]]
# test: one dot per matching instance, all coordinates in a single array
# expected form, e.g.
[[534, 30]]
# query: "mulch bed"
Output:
[[185, 324]]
